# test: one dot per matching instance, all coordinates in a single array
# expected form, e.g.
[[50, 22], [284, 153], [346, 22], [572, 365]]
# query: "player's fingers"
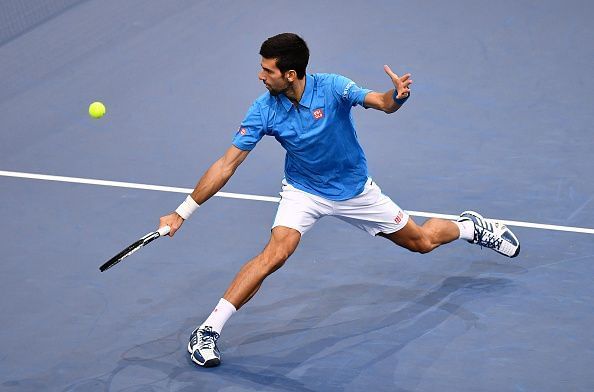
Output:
[[176, 224], [404, 77], [162, 222], [172, 229], [390, 73]]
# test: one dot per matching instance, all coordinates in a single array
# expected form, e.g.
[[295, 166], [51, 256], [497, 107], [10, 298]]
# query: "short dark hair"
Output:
[[289, 50]]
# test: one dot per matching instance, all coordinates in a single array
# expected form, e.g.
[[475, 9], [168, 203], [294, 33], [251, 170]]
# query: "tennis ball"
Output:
[[96, 110]]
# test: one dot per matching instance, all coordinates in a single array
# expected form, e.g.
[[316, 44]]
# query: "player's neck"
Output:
[[295, 91]]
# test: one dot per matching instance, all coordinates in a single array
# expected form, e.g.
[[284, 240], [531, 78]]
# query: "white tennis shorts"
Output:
[[371, 210]]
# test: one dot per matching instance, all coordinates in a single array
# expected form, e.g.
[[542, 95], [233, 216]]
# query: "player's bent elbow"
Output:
[[390, 109]]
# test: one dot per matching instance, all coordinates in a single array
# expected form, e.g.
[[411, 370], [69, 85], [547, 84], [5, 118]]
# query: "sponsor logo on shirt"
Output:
[[243, 131], [399, 217], [318, 113], [345, 92]]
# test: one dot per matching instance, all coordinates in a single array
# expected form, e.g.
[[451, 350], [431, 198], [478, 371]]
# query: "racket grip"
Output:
[[164, 230]]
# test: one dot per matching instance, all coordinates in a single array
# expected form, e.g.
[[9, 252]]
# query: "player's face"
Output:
[[275, 81]]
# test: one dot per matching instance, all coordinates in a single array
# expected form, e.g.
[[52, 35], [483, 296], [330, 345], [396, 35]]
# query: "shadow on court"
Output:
[[304, 353], [334, 346]]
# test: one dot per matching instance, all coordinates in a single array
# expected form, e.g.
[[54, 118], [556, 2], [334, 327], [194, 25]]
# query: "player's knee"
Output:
[[422, 245], [281, 255], [275, 258], [425, 248], [274, 263]]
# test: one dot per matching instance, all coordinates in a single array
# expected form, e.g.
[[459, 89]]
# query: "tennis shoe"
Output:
[[203, 347], [492, 234]]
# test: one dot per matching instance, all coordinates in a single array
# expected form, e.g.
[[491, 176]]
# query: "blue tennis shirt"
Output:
[[324, 156]]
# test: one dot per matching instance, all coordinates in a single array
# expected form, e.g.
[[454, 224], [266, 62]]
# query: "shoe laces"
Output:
[[488, 239], [208, 338]]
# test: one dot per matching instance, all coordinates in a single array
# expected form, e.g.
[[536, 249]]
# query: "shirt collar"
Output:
[[306, 98], [308, 92]]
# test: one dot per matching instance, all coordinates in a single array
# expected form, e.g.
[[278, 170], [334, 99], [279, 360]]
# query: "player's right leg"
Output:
[[203, 340], [282, 244], [297, 213]]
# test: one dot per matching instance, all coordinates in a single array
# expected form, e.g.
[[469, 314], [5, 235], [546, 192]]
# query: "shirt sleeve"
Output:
[[251, 130], [348, 91]]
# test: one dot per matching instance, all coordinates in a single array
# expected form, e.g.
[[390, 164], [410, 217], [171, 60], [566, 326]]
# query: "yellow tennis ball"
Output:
[[96, 110]]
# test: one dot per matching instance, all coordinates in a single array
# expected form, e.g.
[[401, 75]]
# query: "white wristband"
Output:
[[186, 208]]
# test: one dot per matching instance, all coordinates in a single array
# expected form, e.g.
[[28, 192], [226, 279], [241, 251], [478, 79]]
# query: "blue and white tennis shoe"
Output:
[[203, 347], [492, 234]]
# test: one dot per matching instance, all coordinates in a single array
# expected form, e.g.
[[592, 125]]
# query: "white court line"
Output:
[[161, 188], [133, 185]]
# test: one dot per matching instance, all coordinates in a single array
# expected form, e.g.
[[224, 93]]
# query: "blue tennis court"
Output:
[[499, 121]]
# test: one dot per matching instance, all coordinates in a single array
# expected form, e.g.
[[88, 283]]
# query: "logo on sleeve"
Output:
[[399, 217], [318, 113], [243, 131], [345, 92]]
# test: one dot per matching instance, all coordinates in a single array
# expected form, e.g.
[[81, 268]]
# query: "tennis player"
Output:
[[325, 175]]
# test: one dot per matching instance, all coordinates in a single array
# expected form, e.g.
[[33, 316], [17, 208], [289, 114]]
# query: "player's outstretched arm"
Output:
[[393, 99], [211, 182]]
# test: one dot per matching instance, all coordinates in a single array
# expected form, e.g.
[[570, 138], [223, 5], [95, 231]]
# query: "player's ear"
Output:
[[291, 76]]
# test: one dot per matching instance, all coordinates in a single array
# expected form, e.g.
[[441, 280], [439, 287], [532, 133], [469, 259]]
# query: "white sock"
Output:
[[466, 229], [220, 315]]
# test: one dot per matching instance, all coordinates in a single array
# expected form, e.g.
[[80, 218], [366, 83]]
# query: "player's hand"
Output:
[[402, 83], [172, 220]]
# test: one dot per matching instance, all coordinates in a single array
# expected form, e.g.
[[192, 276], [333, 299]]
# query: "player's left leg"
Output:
[[377, 214], [423, 239], [471, 226]]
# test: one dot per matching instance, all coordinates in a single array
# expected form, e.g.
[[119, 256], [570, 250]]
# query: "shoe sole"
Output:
[[208, 364], [516, 253]]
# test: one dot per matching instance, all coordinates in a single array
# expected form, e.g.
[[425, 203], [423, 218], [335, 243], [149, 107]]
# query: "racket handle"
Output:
[[164, 230]]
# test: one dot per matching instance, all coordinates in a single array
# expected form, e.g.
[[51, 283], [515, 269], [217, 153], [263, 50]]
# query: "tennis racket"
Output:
[[150, 237]]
